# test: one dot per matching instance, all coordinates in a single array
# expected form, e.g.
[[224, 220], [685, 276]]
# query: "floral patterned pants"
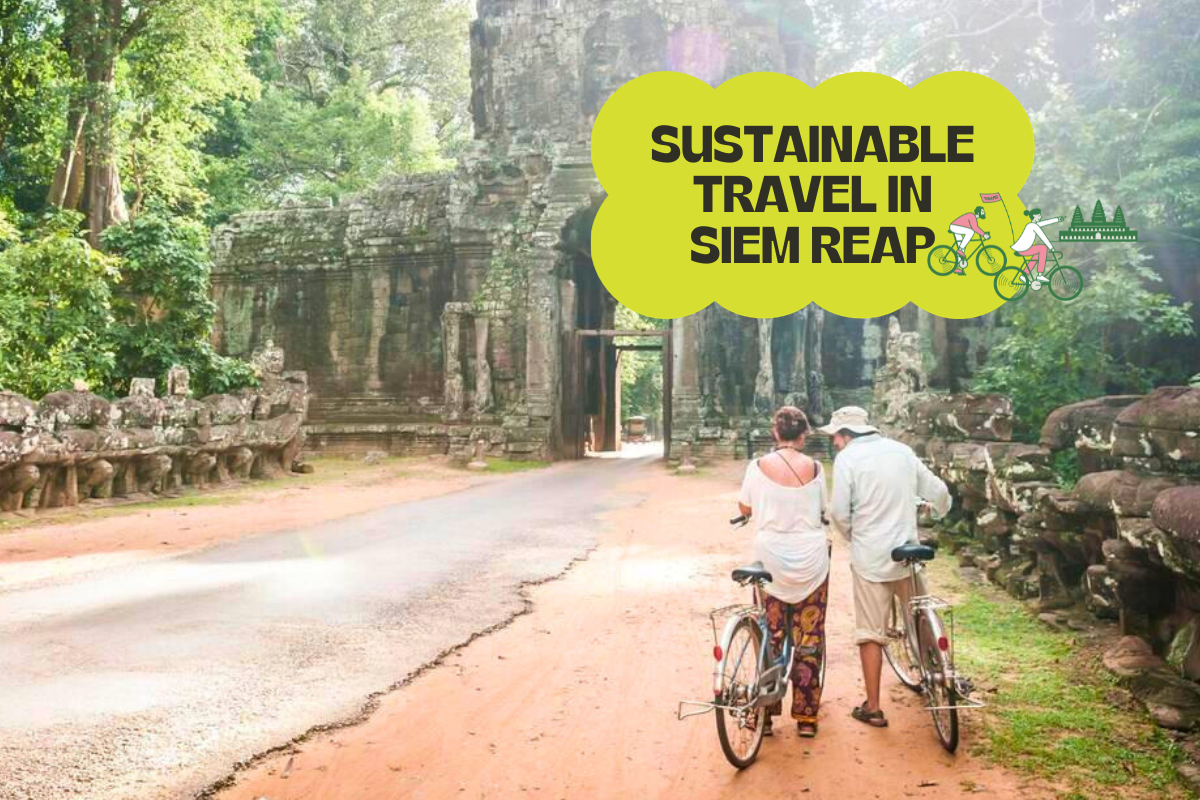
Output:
[[808, 637]]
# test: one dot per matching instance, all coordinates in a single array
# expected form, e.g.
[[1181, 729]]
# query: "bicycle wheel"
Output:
[[991, 259], [1066, 283], [1007, 285], [899, 649], [942, 260], [741, 728], [941, 697]]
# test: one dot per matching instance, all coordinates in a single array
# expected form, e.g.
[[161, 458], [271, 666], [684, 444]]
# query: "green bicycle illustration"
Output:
[[989, 258], [1065, 282]]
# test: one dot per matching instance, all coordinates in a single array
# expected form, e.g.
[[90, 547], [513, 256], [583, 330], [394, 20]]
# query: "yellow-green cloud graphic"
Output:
[[642, 240]]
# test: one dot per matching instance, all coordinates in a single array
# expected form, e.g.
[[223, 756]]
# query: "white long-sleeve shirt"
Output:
[[1033, 231], [876, 484]]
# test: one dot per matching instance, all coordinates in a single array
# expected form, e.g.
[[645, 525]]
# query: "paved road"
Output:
[[152, 680]]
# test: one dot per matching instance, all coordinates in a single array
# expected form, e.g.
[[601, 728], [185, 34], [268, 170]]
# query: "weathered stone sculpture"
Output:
[[1124, 541], [75, 446], [902, 379]]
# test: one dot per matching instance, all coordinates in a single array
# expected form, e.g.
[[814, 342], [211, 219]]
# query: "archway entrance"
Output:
[[592, 415], [595, 348]]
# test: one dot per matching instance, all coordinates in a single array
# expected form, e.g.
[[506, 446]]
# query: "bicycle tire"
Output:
[[940, 692], [898, 650], [1065, 283], [995, 258], [941, 251], [1013, 290], [744, 757]]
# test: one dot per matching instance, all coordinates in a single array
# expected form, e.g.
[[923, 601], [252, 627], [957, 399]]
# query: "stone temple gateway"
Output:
[[441, 309]]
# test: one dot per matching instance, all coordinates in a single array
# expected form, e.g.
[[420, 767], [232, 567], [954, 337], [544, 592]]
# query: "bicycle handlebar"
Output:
[[740, 519]]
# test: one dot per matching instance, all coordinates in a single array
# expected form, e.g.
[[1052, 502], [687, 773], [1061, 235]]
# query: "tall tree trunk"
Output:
[[87, 178]]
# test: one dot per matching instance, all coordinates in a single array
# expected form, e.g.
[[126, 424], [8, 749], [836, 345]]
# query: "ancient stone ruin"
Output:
[[1122, 543], [441, 309], [74, 446]]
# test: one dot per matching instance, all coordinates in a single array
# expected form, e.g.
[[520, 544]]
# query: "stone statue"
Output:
[[75, 446], [901, 380]]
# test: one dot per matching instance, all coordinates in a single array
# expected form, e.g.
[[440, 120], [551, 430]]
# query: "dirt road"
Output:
[[151, 679], [577, 699]]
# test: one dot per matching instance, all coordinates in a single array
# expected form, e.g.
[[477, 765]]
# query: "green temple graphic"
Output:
[[1099, 229]]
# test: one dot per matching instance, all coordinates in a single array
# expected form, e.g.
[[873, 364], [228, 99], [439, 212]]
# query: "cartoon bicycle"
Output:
[[989, 258], [1065, 282]]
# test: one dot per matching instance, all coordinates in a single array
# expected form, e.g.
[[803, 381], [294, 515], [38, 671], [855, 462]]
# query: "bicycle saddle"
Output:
[[913, 552], [751, 572]]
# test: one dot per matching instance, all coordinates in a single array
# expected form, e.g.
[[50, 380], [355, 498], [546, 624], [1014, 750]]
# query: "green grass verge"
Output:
[[504, 466], [1054, 712]]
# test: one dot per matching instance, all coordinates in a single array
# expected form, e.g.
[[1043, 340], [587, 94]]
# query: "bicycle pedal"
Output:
[[965, 687]]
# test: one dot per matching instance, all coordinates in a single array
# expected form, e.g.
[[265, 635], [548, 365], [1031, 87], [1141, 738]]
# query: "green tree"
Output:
[[140, 71], [641, 371], [55, 311], [1060, 353], [356, 90], [161, 305]]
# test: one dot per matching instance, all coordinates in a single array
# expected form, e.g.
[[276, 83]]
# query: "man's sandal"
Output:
[[875, 719], [807, 729]]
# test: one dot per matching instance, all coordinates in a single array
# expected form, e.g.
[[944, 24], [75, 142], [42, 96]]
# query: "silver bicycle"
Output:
[[920, 648], [749, 676]]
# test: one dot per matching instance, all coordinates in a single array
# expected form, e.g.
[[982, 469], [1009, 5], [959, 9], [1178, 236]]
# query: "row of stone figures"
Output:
[[1123, 542], [74, 445]]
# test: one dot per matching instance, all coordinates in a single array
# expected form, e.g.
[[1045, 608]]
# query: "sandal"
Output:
[[767, 727], [875, 719], [807, 729]]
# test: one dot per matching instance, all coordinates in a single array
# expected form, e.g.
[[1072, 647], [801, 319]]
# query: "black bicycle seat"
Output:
[[752, 573], [913, 552]]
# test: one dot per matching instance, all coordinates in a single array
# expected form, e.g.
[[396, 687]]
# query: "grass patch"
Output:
[[503, 466], [1053, 711]]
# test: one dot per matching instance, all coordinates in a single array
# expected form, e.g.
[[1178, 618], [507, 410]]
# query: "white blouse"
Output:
[[789, 536]]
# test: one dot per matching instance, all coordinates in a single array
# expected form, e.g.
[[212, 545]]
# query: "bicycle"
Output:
[[989, 259], [1012, 283], [749, 676], [920, 649]]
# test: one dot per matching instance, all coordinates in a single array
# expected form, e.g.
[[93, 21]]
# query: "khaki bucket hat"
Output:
[[851, 418]]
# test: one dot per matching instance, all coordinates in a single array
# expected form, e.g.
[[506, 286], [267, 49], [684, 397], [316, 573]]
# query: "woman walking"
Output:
[[784, 495]]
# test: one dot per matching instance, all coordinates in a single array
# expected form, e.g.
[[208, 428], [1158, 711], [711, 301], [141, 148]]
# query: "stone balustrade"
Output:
[[1124, 541], [74, 446]]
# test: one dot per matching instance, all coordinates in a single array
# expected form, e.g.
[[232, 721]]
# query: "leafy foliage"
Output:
[[162, 304], [68, 311], [1059, 353], [641, 371], [55, 311]]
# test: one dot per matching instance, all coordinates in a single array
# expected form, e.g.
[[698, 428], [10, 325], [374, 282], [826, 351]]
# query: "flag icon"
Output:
[[990, 198]]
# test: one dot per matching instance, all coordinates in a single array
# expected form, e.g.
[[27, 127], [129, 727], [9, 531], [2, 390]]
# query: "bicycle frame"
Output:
[[923, 608]]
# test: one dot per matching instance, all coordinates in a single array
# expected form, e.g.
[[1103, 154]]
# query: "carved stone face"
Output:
[[141, 387], [179, 381], [268, 359]]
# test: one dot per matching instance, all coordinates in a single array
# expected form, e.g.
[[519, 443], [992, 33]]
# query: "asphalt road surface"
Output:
[[153, 680]]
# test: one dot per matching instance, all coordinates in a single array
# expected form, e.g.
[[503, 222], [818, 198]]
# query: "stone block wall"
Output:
[[1123, 542], [74, 446]]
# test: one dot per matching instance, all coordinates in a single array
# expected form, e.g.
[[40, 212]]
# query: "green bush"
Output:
[[68, 311], [162, 304], [55, 310], [1059, 353]]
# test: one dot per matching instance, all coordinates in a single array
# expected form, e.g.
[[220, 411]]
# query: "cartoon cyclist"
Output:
[[1036, 253], [964, 229]]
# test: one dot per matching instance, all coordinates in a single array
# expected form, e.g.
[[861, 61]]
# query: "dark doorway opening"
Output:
[[602, 339]]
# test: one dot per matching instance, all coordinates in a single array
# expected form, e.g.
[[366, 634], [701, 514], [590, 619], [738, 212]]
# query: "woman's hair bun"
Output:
[[790, 423]]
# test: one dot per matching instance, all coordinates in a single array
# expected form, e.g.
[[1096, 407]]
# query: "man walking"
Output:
[[877, 485]]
